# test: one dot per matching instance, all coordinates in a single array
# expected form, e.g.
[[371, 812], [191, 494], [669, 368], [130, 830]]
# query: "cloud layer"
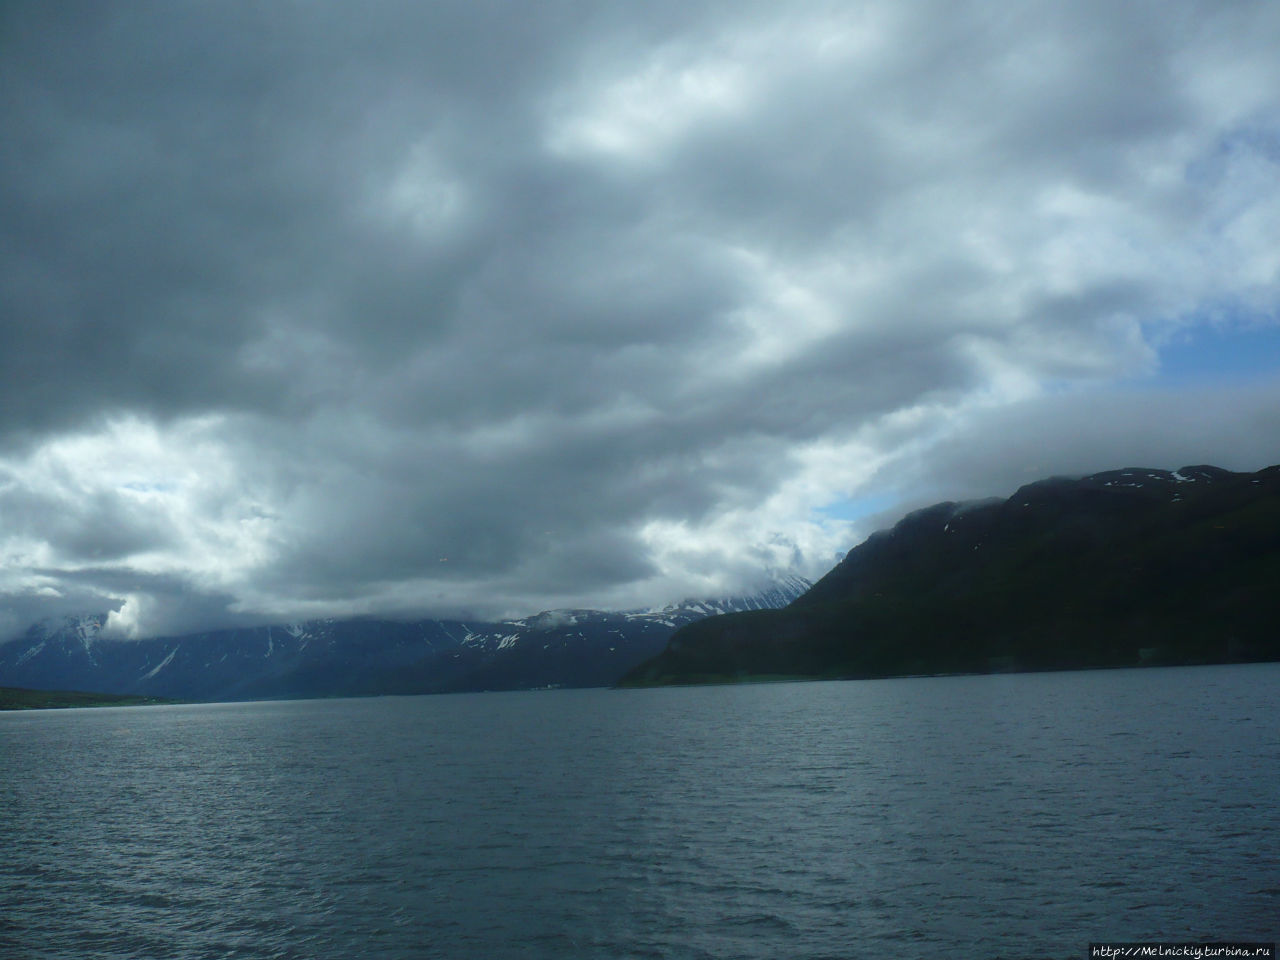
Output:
[[476, 308]]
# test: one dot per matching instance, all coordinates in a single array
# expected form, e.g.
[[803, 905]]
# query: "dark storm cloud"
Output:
[[91, 526], [478, 307], [179, 176]]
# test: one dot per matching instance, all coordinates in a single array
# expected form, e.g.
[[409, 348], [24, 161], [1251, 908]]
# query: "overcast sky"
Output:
[[317, 309]]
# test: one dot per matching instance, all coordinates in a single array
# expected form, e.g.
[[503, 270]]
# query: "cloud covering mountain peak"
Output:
[[476, 308]]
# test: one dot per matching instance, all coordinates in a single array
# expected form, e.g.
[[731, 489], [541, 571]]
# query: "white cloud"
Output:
[[603, 310], [638, 116]]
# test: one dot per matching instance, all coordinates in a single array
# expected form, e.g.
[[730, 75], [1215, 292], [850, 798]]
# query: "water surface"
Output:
[[968, 816]]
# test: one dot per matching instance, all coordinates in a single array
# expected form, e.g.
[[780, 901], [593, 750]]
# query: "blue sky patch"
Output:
[[1221, 352], [856, 508]]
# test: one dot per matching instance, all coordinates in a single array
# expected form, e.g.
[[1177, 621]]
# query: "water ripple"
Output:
[[905, 817]]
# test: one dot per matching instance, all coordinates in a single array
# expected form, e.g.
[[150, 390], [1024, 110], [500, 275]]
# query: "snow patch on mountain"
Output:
[[31, 653], [161, 665]]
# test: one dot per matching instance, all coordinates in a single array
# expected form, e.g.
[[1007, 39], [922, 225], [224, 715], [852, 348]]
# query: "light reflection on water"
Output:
[[977, 816]]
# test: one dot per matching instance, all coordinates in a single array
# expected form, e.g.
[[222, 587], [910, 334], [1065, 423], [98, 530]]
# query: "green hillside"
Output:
[[18, 698]]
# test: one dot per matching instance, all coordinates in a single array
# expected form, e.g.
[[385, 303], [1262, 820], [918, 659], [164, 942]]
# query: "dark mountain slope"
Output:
[[1120, 568]]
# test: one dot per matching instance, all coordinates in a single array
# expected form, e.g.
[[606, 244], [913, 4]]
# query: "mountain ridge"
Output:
[[359, 656], [1120, 568]]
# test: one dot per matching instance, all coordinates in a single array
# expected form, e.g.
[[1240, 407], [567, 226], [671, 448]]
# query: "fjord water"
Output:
[[967, 816]]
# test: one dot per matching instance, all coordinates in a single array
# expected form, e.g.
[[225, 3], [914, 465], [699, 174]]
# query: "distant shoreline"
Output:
[[721, 680], [21, 698]]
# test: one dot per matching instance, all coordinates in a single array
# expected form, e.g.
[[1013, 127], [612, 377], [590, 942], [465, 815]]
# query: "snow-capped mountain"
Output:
[[569, 648]]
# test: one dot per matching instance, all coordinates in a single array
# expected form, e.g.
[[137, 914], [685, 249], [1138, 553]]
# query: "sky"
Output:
[[476, 309]]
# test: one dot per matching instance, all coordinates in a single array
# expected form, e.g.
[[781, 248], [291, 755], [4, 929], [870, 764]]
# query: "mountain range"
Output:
[[319, 658], [1123, 568]]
